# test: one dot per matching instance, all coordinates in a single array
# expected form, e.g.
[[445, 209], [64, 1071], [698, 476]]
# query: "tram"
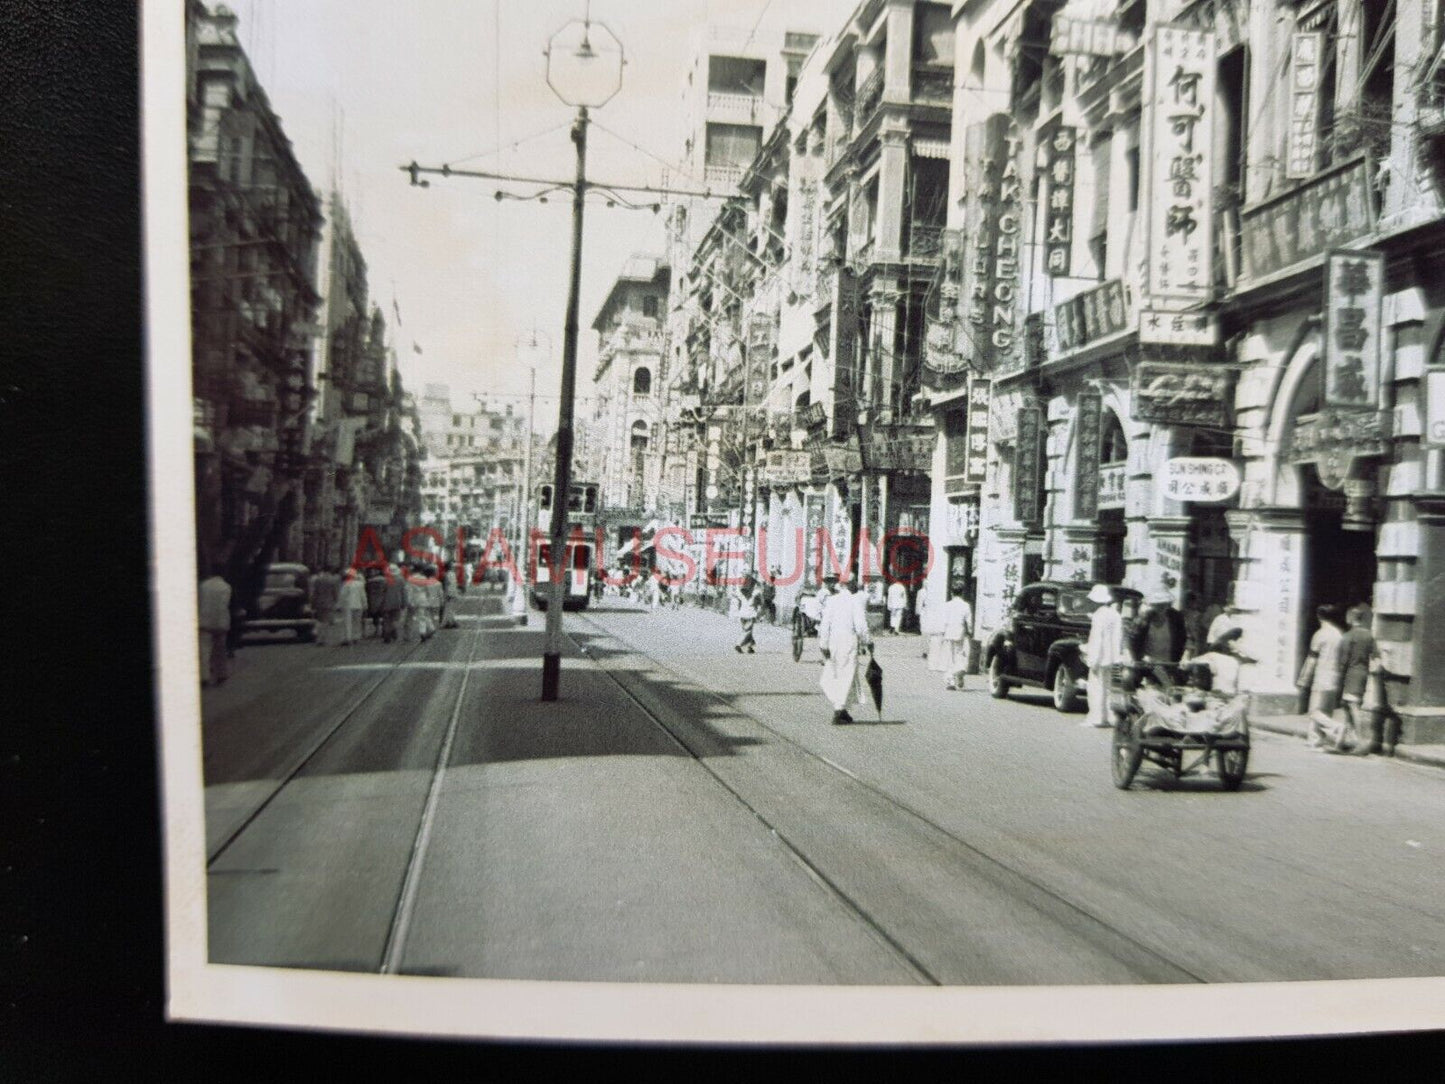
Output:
[[580, 557]]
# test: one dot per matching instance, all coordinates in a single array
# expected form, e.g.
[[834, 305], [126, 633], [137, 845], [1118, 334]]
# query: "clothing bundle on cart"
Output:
[[1170, 708]]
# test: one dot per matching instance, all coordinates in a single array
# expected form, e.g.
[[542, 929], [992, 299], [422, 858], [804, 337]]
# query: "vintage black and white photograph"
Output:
[[801, 520]]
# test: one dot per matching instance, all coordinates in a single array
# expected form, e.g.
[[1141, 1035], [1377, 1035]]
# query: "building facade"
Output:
[[473, 475]]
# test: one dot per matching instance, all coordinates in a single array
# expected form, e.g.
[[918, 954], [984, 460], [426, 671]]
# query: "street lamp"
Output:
[[584, 69], [533, 347]]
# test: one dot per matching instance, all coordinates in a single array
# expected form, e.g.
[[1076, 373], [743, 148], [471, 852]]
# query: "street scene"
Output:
[[833, 492]]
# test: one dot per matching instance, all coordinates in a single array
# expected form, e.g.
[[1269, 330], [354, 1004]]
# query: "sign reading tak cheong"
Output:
[[995, 217]]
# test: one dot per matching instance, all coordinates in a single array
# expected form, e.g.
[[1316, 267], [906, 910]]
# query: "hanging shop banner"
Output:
[[1092, 315], [1332, 210], [994, 215], [943, 345], [1354, 293], [786, 467], [1175, 394], [1200, 479], [1302, 136], [1179, 107], [1070, 36], [1333, 439], [1178, 328], [1057, 143], [955, 442], [1028, 466], [1087, 452], [979, 392], [846, 354], [912, 452]]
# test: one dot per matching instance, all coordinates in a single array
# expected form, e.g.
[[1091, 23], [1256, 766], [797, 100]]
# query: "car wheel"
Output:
[[997, 685], [1066, 692]]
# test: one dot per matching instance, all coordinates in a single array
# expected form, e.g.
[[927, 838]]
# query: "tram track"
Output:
[[1151, 964]]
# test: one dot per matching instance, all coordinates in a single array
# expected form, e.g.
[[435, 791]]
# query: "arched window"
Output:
[[639, 434], [976, 68], [1114, 448], [642, 382]]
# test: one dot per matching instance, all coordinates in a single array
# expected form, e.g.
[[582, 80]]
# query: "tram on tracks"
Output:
[[579, 558]]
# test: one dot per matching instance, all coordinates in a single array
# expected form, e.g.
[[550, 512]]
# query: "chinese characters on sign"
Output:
[[1332, 210], [1182, 394], [1178, 328], [1087, 37], [1180, 108], [991, 269], [1304, 105], [1028, 466], [787, 467], [846, 352], [1200, 479], [1354, 289], [1111, 486], [1057, 143], [978, 403], [944, 347], [1333, 439], [1093, 314], [1087, 451]]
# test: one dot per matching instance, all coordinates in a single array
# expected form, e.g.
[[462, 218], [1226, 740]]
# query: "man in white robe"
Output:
[[842, 631], [1104, 648], [957, 629]]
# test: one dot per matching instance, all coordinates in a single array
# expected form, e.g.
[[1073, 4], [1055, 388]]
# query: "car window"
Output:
[[280, 581], [1046, 602], [1076, 604]]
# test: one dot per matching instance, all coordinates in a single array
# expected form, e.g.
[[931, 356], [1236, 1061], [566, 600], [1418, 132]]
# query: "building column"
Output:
[[882, 336], [1268, 590], [898, 53], [1425, 716], [892, 188]]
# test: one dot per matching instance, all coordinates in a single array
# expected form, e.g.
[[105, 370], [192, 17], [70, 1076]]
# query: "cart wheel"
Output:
[[997, 686], [1066, 693], [797, 642], [1128, 750], [1231, 764]]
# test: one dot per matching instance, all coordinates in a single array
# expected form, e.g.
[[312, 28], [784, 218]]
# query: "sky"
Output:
[[463, 82]]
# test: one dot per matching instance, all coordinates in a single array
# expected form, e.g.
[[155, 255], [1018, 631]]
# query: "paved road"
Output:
[[688, 814]]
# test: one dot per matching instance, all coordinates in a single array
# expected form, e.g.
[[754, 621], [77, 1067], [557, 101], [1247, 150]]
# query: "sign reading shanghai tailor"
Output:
[[995, 227], [1354, 291], [1087, 449], [1058, 142], [1179, 111], [1332, 210], [1028, 465], [1302, 136], [1200, 479]]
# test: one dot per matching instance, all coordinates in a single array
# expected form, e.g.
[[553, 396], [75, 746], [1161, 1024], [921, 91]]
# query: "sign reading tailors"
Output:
[[1354, 291], [1028, 465], [994, 231], [1057, 142], [1332, 210], [1200, 479], [1087, 451], [1173, 394], [978, 411], [1179, 107], [1302, 136]]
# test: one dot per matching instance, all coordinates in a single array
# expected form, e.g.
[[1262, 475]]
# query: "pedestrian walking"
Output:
[[352, 604], [393, 604], [325, 593], [957, 635], [1321, 675], [375, 599], [654, 593], [842, 633], [417, 626], [1159, 635], [1105, 648], [770, 596], [930, 624], [451, 594], [746, 604], [1358, 657], [214, 606], [897, 605], [436, 597]]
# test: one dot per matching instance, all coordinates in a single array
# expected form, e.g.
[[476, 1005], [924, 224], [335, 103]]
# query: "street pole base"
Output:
[[551, 676]]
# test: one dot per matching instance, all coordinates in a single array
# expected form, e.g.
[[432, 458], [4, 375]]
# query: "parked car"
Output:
[[285, 603], [1040, 646]]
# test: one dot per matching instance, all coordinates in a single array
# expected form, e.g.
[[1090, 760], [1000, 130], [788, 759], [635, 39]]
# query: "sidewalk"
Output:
[[907, 649]]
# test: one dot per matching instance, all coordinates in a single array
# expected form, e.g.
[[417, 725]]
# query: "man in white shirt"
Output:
[[957, 630], [1104, 648], [842, 631], [214, 598], [897, 604]]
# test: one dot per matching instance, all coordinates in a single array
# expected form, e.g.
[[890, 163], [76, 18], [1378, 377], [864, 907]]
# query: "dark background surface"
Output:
[[82, 975]]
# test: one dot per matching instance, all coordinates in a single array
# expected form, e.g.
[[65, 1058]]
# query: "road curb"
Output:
[[1287, 726]]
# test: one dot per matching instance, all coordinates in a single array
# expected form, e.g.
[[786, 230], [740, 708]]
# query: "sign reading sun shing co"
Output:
[[1200, 479]]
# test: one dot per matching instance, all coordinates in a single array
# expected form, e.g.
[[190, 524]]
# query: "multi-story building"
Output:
[[473, 467], [254, 226], [1194, 316], [628, 430]]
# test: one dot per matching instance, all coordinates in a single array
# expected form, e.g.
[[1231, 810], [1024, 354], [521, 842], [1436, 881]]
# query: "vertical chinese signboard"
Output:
[[1057, 143], [994, 236], [1302, 138], [944, 348], [978, 403], [845, 410], [1179, 106], [1028, 466], [1090, 418], [1354, 287]]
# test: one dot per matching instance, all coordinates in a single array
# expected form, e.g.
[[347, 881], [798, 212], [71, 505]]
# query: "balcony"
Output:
[[723, 176], [870, 94], [724, 106], [925, 243], [932, 86]]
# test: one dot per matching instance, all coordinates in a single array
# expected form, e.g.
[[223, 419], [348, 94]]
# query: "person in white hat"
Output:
[[1104, 648]]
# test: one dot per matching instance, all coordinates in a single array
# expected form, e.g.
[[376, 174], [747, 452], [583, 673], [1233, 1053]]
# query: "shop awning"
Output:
[[930, 148]]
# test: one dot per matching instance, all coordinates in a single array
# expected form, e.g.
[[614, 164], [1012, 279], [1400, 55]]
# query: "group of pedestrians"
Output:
[[1342, 670]]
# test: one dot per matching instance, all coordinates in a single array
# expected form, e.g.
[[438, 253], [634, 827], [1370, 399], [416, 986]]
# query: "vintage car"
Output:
[[1040, 644], [285, 603]]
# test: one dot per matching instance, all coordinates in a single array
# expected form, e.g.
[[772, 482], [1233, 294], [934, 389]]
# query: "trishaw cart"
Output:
[[1166, 715]]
